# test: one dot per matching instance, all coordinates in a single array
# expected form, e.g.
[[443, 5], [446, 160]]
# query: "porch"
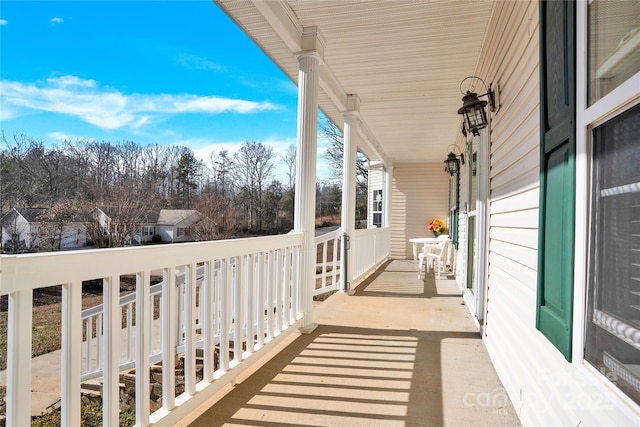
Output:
[[400, 351]]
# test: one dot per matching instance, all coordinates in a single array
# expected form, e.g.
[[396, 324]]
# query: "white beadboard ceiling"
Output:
[[404, 59]]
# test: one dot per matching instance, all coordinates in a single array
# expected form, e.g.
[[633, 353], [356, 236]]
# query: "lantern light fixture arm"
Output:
[[452, 163], [490, 93], [474, 115], [452, 149]]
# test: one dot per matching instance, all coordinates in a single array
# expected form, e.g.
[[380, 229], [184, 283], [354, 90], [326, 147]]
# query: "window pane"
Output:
[[613, 329], [614, 45]]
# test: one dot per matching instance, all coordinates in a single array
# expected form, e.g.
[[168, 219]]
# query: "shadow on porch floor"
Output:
[[400, 352]]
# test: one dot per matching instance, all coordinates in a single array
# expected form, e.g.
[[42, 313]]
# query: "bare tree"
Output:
[[119, 220], [53, 224], [38, 175], [289, 159], [254, 167], [335, 153]]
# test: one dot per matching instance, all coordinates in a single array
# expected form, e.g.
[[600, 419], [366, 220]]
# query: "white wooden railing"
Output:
[[370, 248], [230, 298], [92, 320], [327, 278], [328, 263]]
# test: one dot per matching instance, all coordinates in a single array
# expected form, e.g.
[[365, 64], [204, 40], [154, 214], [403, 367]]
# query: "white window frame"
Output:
[[375, 203], [588, 117]]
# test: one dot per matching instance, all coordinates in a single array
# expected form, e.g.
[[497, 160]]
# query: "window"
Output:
[[148, 230], [614, 45], [613, 329], [377, 208], [181, 231]]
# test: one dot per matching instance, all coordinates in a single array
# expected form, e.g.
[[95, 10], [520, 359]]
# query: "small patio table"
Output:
[[423, 241]]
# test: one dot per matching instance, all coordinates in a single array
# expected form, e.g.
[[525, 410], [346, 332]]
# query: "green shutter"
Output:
[[557, 173]]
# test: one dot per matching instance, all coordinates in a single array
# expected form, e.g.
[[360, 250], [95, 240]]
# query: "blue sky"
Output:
[[172, 73]]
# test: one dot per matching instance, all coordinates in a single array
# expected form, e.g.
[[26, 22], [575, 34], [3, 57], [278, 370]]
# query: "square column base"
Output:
[[308, 329]]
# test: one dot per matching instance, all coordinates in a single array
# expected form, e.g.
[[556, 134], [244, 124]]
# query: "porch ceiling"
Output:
[[404, 59]]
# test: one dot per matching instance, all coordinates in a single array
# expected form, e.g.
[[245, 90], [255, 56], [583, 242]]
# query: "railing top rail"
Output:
[[31, 271], [366, 231], [328, 236]]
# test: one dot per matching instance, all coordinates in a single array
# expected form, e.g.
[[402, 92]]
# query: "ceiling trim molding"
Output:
[[282, 19]]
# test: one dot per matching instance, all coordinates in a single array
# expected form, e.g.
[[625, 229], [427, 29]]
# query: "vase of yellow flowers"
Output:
[[437, 227]]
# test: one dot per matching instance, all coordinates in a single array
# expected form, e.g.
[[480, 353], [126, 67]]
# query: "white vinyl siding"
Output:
[[545, 389], [420, 194]]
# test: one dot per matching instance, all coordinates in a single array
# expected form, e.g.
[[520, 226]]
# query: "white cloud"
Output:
[[3, 22], [56, 21], [64, 81], [111, 109]]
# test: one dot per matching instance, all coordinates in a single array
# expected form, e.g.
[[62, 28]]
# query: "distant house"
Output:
[[155, 225], [28, 230], [173, 225]]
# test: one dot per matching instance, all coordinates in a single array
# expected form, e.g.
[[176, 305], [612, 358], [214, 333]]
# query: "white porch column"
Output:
[[309, 61], [388, 179], [349, 190]]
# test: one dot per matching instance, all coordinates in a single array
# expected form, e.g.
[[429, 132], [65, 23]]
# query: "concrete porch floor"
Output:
[[399, 352]]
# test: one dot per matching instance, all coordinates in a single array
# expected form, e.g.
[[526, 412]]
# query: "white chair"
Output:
[[435, 256]]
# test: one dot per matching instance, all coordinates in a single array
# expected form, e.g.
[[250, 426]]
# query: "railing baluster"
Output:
[[287, 287], [334, 262], [225, 276], [88, 328], [19, 358], [237, 310], [168, 320], [142, 348], [295, 251], [189, 329], [99, 333], [269, 291], [71, 353], [217, 309], [112, 318], [206, 321], [151, 309], [324, 264], [259, 286], [278, 286], [129, 320], [180, 309], [249, 301]]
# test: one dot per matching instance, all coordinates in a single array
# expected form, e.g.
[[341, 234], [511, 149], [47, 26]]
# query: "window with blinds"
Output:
[[613, 328]]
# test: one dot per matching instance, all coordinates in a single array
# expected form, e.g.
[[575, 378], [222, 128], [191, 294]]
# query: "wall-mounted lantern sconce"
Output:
[[452, 164], [472, 110]]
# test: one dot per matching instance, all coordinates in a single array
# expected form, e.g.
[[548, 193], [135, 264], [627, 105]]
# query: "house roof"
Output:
[[161, 216], [405, 60], [31, 214], [177, 216]]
